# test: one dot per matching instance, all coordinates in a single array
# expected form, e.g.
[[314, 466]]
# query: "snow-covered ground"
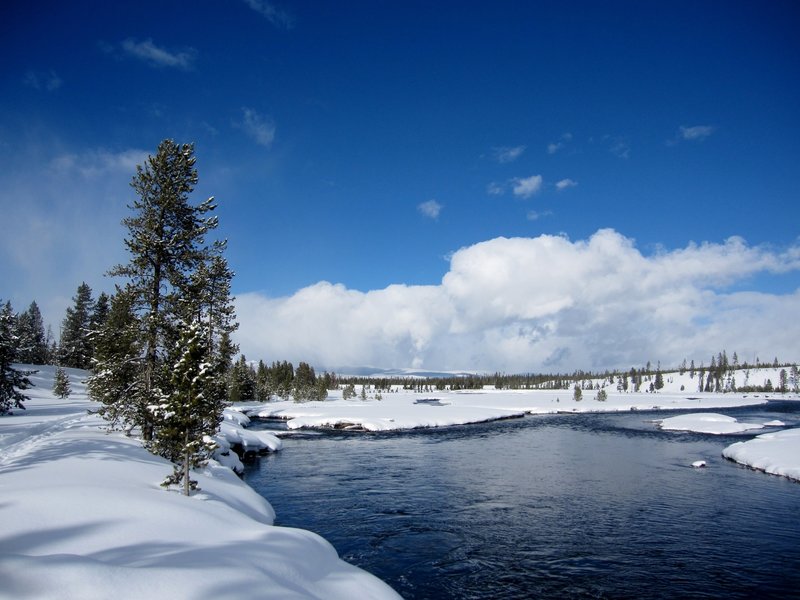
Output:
[[707, 423], [82, 515], [776, 453], [403, 409]]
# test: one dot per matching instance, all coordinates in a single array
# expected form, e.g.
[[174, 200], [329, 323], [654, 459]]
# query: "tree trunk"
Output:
[[186, 485]]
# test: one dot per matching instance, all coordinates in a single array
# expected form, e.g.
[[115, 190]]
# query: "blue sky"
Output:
[[367, 144]]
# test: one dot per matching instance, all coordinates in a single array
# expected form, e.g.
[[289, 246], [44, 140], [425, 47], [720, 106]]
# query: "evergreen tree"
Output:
[[349, 391], [166, 242], [242, 381], [98, 318], [577, 394], [187, 418], [12, 381], [305, 383], [659, 382], [61, 387], [117, 380], [75, 349], [32, 341]]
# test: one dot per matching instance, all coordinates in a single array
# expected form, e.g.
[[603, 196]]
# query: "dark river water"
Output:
[[562, 506]]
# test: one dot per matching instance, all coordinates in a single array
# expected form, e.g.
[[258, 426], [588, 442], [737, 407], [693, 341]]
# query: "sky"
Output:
[[482, 186]]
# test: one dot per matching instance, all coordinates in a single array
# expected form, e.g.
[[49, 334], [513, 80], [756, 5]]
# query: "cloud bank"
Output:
[[538, 304]]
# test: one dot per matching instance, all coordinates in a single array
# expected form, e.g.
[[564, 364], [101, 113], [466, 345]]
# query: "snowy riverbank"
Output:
[[409, 410], [83, 516], [776, 453]]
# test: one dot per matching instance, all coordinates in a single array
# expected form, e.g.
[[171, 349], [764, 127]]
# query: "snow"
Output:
[[776, 453], [707, 423], [83, 516], [699, 464], [403, 410]]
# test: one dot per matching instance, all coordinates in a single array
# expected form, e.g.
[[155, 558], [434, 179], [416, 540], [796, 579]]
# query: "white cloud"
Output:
[[562, 142], [261, 129], [619, 147], [534, 215], [527, 186], [565, 183], [696, 133], [430, 209], [276, 16], [538, 304], [495, 189], [47, 82], [159, 57], [507, 154]]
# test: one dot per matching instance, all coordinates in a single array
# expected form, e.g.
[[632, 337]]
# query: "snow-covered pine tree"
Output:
[[212, 304], [61, 387], [166, 242], [12, 381], [32, 341], [117, 381], [98, 318], [75, 348], [186, 418]]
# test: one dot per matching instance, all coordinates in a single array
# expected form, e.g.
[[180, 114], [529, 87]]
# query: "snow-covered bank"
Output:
[[402, 409], [775, 453], [83, 516], [707, 423]]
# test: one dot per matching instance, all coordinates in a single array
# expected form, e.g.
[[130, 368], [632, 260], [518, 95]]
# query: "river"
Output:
[[561, 506]]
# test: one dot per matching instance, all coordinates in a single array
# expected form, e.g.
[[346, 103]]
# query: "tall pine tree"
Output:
[[32, 341], [166, 242], [75, 349]]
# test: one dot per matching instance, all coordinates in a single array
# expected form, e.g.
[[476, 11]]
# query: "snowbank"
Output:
[[403, 409], [707, 423], [83, 516], [775, 453]]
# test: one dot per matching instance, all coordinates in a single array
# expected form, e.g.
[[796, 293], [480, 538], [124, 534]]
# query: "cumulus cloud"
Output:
[[495, 189], [261, 129], [430, 209], [526, 187], [565, 183], [276, 16], [155, 56], [538, 304], [507, 154]]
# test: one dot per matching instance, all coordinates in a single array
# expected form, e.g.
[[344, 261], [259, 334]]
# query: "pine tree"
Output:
[[32, 342], [117, 381], [98, 318], [75, 349], [12, 381], [186, 417], [166, 242], [61, 387], [305, 383]]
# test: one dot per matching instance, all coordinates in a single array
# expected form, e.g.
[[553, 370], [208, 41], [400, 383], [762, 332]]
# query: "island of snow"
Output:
[[775, 453], [706, 423]]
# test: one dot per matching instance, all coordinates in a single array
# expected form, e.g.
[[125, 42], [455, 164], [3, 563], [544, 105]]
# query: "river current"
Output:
[[560, 506]]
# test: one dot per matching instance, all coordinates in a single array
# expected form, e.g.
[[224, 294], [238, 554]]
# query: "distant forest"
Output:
[[247, 380]]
